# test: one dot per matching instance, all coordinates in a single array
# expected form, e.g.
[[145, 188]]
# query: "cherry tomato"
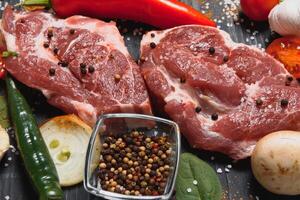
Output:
[[258, 10], [287, 51]]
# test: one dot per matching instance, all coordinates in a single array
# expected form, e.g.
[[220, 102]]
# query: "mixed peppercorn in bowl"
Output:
[[139, 157]]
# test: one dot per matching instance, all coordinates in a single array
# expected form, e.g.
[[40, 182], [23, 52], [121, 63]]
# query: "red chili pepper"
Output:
[[2, 69], [159, 13]]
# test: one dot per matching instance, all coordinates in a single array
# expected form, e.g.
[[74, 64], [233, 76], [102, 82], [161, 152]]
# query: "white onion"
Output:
[[67, 138], [284, 18]]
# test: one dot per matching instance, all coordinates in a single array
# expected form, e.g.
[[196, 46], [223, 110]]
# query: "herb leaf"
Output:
[[4, 119], [6, 54], [196, 180]]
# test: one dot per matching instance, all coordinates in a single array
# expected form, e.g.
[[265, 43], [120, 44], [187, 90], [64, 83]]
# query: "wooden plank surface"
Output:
[[238, 184]]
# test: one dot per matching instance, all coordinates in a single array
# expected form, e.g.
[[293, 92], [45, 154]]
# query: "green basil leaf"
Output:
[[4, 119], [196, 180]]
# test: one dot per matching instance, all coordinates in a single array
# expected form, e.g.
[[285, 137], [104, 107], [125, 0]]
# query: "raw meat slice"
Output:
[[80, 64], [224, 96]]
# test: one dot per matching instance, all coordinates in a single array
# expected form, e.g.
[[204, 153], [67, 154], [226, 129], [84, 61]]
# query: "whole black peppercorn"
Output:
[[46, 45], [284, 102], [161, 163], [211, 50], [83, 70], [137, 187], [225, 58], [55, 51], [259, 102], [142, 60], [182, 80], [154, 166], [65, 64], [82, 65], [152, 45], [144, 162], [120, 181], [108, 165], [214, 116], [50, 34], [197, 109], [72, 31], [91, 69], [152, 173], [289, 78], [51, 72], [104, 187], [142, 190], [116, 156], [124, 166]]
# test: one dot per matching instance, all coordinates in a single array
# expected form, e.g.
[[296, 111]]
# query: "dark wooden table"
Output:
[[238, 183]]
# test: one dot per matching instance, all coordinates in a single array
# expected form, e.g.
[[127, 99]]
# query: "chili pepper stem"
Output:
[[44, 3]]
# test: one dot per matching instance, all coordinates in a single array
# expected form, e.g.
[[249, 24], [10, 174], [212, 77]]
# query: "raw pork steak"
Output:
[[224, 96], [80, 64]]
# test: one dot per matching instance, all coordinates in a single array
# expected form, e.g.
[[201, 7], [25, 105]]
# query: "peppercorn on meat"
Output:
[[80, 64]]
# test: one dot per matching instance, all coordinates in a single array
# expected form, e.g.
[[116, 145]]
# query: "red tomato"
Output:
[[258, 10], [287, 51]]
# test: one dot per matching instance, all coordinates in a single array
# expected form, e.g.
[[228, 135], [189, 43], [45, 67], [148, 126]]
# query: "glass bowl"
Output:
[[125, 122]]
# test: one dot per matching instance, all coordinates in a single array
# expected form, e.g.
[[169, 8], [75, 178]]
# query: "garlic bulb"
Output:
[[284, 18]]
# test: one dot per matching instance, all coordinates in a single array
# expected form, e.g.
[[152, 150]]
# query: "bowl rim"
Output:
[[113, 195]]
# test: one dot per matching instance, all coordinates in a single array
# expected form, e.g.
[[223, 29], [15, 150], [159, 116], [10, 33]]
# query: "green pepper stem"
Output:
[[46, 3]]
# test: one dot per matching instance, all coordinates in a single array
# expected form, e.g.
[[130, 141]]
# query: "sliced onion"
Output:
[[4, 142], [67, 138]]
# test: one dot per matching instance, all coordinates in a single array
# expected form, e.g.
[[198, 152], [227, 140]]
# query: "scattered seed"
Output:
[[117, 77]]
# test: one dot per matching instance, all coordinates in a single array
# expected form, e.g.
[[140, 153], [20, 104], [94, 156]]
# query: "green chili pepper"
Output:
[[34, 152]]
